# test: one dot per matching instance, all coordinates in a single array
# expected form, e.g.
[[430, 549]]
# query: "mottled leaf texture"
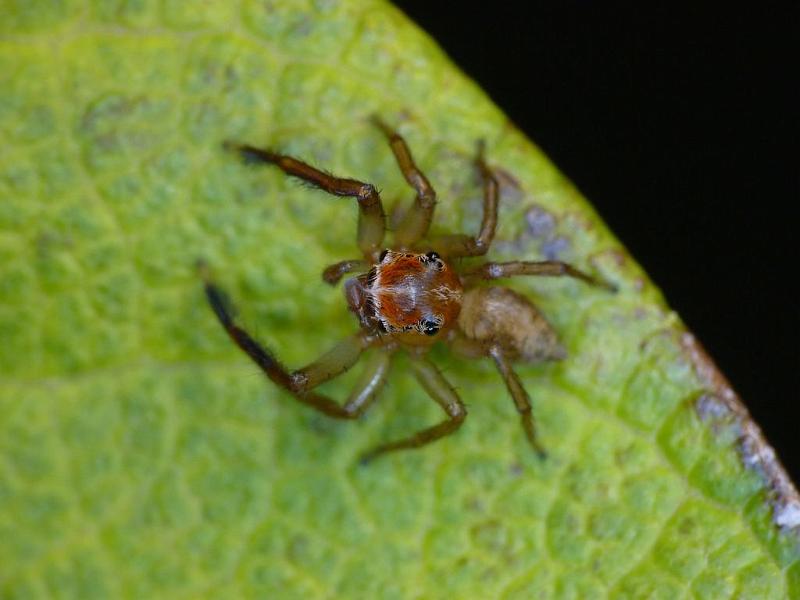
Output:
[[143, 456]]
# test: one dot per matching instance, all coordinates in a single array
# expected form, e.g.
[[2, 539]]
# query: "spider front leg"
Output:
[[444, 395], [301, 382], [417, 220], [454, 246], [371, 218]]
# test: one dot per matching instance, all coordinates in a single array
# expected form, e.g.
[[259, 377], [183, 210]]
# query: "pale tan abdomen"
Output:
[[497, 315]]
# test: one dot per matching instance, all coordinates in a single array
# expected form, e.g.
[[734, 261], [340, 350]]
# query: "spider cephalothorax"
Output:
[[408, 296], [408, 293]]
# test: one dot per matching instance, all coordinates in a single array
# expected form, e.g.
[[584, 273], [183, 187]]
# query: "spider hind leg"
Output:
[[521, 399]]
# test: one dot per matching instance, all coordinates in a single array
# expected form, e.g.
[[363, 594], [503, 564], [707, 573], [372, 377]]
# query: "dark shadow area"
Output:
[[680, 127]]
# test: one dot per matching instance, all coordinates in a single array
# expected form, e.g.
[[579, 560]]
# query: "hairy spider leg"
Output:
[[371, 218], [520, 396], [546, 268], [438, 388], [331, 364], [417, 220], [458, 245]]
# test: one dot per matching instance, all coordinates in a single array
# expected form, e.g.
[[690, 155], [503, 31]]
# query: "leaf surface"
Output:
[[143, 455]]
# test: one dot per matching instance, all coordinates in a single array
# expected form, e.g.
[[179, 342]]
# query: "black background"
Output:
[[677, 125]]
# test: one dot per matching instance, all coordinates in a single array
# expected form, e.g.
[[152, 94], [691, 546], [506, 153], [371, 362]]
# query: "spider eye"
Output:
[[382, 255], [429, 327], [433, 259]]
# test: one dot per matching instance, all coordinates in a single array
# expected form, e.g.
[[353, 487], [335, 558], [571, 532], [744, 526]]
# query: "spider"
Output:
[[408, 297]]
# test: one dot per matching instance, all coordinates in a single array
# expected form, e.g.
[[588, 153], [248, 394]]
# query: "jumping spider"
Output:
[[408, 297]]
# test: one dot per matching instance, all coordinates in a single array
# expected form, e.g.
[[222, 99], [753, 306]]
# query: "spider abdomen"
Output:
[[500, 316]]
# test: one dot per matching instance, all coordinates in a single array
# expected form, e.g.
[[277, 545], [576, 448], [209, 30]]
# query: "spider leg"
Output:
[[369, 384], [371, 219], [547, 268], [333, 273], [300, 383], [416, 221], [520, 396], [454, 246], [465, 347], [473, 349], [444, 395]]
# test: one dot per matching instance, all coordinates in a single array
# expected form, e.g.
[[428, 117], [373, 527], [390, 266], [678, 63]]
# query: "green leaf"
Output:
[[142, 455]]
